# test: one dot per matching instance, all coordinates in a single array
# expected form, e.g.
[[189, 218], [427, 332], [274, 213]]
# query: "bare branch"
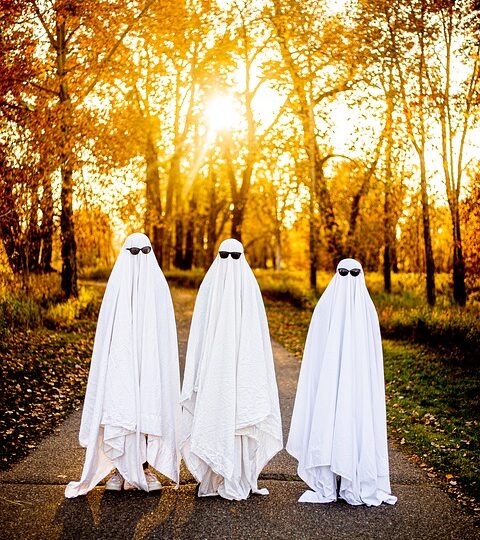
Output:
[[257, 86], [347, 85], [275, 120], [43, 22], [72, 33], [38, 86]]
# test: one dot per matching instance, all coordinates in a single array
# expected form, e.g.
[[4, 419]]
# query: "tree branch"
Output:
[[40, 87], [43, 22], [230, 169], [261, 138], [117, 44], [347, 85]]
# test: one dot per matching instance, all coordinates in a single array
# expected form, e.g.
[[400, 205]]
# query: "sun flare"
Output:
[[221, 113]]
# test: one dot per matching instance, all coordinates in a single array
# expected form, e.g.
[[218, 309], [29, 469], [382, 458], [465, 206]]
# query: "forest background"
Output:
[[310, 131]]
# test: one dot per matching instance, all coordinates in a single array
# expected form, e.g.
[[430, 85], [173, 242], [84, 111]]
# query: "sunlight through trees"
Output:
[[310, 133]]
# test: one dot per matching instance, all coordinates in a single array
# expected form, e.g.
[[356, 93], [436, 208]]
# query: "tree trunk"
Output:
[[211, 240], [178, 260], [452, 178], [237, 219], [427, 238], [47, 226], [312, 246], [306, 117], [199, 252], [314, 169], [394, 255], [240, 196], [172, 186], [360, 195], [34, 239], [67, 233], [327, 212], [387, 206], [278, 248], [10, 229], [153, 216], [387, 251], [459, 289], [190, 235], [211, 234], [213, 228]]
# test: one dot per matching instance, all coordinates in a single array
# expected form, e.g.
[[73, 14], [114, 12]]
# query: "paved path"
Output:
[[32, 504]]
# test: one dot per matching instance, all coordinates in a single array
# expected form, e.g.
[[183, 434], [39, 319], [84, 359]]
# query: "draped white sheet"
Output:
[[338, 428], [231, 417], [131, 413]]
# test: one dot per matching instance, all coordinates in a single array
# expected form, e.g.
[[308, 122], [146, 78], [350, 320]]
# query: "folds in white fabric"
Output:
[[131, 412], [231, 425], [338, 429]]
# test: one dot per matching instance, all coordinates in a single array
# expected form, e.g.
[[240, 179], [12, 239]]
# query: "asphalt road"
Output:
[[32, 504]]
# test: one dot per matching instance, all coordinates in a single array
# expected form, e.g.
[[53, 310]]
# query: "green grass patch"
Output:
[[434, 410], [433, 401]]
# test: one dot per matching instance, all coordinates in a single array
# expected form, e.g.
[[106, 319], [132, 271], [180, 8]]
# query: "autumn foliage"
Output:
[[311, 131]]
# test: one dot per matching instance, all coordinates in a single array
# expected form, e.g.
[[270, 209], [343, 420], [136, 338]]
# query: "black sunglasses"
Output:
[[344, 271], [225, 254], [136, 251]]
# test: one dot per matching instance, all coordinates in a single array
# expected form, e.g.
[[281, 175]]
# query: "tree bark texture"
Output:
[[67, 233], [153, 216]]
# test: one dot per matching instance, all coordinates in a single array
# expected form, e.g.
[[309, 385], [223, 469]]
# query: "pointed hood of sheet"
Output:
[[339, 423], [229, 383], [133, 387]]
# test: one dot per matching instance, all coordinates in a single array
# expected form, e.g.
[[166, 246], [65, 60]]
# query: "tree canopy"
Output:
[[310, 131]]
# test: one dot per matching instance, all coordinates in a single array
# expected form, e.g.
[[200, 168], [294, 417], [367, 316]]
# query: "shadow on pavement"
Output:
[[113, 515]]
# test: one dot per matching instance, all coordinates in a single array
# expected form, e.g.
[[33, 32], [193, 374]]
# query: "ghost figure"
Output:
[[338, 430], [231, 425], [131, 413]]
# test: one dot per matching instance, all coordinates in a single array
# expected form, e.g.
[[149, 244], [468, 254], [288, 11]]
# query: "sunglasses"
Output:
[[344, 271], [225, 254], [136, 251]]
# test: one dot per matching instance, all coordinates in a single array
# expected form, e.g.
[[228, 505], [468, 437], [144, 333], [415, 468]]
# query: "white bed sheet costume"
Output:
[[231, 424], [338, 428], [131, 413]]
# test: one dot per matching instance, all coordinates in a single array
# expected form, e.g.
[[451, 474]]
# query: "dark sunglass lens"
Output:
[[235, 255], [355, 272], [343, 271], [146, 249], [134, 251], [223, 254]]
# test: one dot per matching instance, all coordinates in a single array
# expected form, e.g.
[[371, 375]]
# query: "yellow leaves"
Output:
[[450, 477]]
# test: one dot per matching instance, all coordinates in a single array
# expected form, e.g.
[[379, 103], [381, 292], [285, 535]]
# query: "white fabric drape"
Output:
[[131, 413], [231, 416], [338, 428]]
